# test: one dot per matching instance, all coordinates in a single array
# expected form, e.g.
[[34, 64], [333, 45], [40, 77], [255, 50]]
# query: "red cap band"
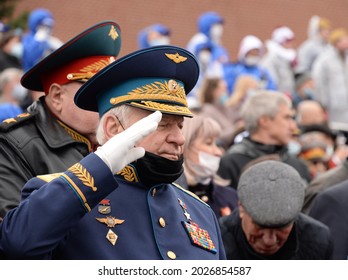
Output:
[[77, 70]]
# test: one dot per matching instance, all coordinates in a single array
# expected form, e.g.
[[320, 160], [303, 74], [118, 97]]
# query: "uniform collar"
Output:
[[128, 173], [268, 149], [75, 135], [55, 133]]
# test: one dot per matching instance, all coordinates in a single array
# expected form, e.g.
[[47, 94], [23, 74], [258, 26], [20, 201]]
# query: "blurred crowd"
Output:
[[19, 51], [278, 101]]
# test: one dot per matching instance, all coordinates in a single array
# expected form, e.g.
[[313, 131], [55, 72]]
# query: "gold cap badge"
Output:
[[177, 58], [113, 33]]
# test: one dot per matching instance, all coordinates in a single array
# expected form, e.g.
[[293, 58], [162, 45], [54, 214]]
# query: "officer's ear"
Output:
[[111, 126], [54, 98]]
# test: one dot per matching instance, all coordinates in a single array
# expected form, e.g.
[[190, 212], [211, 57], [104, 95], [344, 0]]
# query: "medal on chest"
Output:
[[104, 207], [199, 237]]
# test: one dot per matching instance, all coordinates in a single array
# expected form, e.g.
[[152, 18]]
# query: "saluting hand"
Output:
[[119, 151]]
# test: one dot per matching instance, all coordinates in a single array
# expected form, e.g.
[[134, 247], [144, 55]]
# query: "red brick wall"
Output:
[[257, 17]]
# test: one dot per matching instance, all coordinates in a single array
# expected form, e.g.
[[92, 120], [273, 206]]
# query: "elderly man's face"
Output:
[[168, 140], [264, 241]]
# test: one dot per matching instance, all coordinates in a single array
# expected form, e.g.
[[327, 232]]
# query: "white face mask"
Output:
[[204, 57], [19, 92], [223, 98], [329, 150], [17, 50], [164, 40], [206, 168], [42, 33], [294, 148], [209, 162], [216, 32], [251, 60]]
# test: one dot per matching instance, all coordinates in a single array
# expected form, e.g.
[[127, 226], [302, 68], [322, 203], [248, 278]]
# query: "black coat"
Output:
[[240, 154], [216, 196], [308, 240], [331, 208], [32, 144]]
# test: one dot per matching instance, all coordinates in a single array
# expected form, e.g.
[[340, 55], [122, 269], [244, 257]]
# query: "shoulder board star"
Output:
[[13, 122]]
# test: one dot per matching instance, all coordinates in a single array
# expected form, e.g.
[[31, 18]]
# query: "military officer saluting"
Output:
[[119, 202]]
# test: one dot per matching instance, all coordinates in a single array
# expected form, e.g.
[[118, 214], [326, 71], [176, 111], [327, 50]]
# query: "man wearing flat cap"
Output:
[[119, 202], [268, 224], [54, 133]]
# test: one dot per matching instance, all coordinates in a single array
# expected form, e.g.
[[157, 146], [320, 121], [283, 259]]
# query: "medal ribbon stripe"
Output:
[[199, 237]]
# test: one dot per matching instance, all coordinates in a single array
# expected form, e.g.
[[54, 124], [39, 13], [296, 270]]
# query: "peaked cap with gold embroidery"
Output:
[[156, 78], [78, 59]]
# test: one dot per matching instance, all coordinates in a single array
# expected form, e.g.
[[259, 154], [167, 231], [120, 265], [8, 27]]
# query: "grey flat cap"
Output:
[[272, 193]]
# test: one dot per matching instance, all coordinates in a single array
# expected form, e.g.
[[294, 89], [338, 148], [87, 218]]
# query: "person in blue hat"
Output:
[[53, 133], [119, 202], [154, 35], [38, 42], [210, 27]]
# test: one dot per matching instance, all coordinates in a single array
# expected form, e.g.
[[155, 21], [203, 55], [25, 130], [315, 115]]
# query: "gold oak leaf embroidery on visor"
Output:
[[153, 91], [89, 71], [164, 107], [80, 172]]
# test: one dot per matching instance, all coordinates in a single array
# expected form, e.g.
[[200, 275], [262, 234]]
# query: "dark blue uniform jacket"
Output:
[[88, 213]]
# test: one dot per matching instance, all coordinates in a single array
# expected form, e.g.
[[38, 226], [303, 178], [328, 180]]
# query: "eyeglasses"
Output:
[[120, 122]]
